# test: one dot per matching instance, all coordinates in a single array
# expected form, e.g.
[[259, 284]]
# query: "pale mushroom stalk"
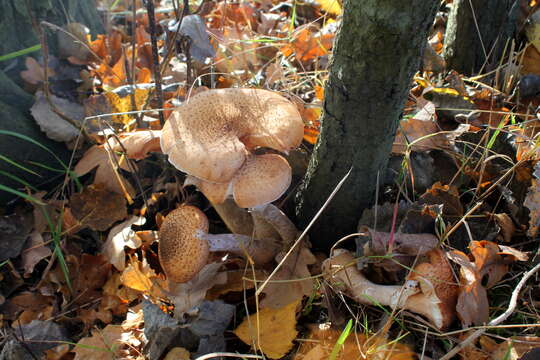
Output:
[[273, 216], [185, 244], [341, 269], [260, 251], [434, 295], [237, 220]]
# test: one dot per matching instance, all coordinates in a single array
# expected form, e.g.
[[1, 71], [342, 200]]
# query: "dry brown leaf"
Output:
[[237, 280], [35, 251], [102, 345], [487, 349], [97, 207], [322, 339], [506, 225], [51, 123], [412, 130], [34, 73], [472, 305], [120, 236], [295, 270], [270, 330], [105, 159]]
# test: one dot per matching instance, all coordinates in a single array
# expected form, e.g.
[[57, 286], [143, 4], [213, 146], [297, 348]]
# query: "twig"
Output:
[[155, 56], [499, 319]]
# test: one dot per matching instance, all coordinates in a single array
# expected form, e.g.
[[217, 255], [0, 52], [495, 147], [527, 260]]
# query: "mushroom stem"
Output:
[[341, 268], [272, 215], [430, 290], [237, 220], [260, 251]]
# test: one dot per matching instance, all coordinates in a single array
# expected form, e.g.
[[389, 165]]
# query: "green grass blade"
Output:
[[71, 174], [22, 52], [341, 340], [9, 161], [21, 194], [18, 179]]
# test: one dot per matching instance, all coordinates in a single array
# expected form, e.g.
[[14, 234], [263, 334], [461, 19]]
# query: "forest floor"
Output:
[[444, 266]]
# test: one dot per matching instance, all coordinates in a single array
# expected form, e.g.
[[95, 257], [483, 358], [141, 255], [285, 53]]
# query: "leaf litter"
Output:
[[82, 277]]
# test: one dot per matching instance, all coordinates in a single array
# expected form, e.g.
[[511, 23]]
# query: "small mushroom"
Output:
[[185, 244], [430, 290]]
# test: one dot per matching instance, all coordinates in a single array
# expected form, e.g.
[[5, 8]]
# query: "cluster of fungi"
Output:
[[228, 141]]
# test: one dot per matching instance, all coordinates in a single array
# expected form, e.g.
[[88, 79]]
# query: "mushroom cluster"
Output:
[[430, 289], [213, 138]]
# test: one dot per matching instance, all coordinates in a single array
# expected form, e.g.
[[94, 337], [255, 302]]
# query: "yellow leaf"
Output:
[[331, 7], [137, 275], [272, 330], [322, 339], [123, 104]]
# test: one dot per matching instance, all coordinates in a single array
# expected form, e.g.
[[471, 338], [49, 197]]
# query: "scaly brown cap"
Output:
[[182, 250], [211, 135]]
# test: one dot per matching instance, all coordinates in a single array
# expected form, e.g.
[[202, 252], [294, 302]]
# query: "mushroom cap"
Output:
[[182, 250], [262, 179], [438, 298], [211, 135]]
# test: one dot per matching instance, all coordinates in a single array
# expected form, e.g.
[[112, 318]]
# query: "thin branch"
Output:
[[155, 56], [499, 319]]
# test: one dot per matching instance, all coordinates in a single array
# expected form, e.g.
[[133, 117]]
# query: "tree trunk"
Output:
[[477, 35], [376, 53]]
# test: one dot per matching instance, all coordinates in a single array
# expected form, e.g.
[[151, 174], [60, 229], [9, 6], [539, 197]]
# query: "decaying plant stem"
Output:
[[155, 57]]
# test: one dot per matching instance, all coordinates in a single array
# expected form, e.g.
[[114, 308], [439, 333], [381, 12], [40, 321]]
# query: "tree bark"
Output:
[[476, 34], [377, 51]]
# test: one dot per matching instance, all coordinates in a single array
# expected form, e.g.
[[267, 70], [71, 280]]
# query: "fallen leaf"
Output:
[[97, 207], [270, 330], [418, 135], [137, 275], [331, 7], [35, 251], [51, 123], [104, 344], [14, 230], [307, 44], [34, 73], [322, 338], [107, 162], [299, 282], [472, 304], [120, 236]]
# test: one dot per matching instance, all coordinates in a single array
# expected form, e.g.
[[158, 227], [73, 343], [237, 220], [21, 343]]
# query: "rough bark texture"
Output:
[[476, 35], [376, 53]]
